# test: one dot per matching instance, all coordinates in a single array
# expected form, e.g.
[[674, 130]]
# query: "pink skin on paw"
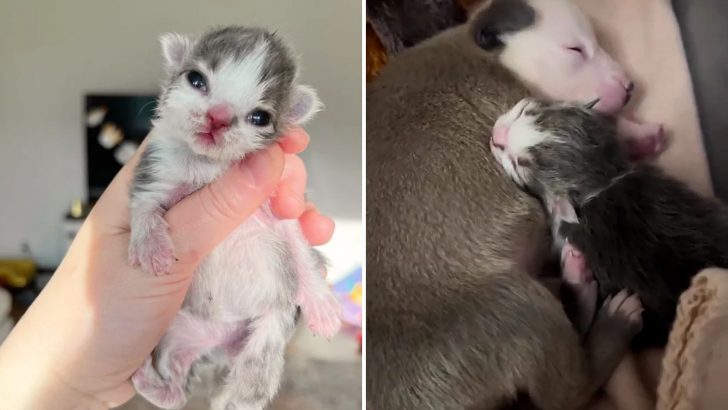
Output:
[[627, 304], [154, 253], [642, 141], [318, 304], [187, 339], [322, 315], [574, 267], [149, 385]]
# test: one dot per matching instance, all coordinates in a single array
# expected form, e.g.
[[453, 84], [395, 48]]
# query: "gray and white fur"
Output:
[[636, 227], [229, 92]]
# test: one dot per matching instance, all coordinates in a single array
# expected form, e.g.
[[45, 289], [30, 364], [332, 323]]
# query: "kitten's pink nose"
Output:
[[220, 116], [500, 137]]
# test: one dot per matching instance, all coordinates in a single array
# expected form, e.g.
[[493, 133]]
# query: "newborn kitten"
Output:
[[230, 92], [627, 224]]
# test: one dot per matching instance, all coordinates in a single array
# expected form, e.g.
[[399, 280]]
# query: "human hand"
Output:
[[99, 318]]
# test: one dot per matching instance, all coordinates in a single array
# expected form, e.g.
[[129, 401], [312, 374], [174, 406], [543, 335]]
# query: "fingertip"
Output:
[[294, 140], [317, 228]]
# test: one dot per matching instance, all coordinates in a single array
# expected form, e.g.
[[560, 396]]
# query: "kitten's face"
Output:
[[231, 92], [555, 147]]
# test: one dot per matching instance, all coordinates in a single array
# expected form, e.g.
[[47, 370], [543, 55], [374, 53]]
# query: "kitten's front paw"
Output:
[[574, 268], [322, 313], [621, 314], [642, 141], [153, 252], [150, 385]]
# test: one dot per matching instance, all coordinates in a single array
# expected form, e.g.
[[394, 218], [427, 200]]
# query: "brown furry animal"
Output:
[[454, 319]]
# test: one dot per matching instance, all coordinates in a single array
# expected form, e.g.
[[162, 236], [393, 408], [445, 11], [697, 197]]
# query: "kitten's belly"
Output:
[[250, 272]]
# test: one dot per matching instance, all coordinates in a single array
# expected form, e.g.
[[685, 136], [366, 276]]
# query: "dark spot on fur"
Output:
[[502, 16], [143, 174]]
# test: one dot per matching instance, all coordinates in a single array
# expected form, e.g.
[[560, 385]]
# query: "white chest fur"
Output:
[[252, 269], [250, 272]]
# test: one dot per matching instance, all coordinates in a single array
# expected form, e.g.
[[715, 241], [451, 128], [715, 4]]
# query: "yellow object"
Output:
[[356, 293], [17, 273], [77, 209]]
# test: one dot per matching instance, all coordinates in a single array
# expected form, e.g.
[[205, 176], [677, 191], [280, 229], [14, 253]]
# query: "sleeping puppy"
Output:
[[455, 318]]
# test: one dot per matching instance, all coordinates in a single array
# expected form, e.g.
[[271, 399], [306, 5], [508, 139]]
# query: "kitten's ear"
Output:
[[591, 103], [561, 208], [175, 49], [304, 104]]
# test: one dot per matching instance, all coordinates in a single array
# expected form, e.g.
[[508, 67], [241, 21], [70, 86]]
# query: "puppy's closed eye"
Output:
[[577, 49]]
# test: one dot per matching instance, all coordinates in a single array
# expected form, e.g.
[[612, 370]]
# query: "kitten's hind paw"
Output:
[[160, 393], [323, 314]]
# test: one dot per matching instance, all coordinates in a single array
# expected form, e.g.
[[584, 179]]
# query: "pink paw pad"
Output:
[[648, 142], [574, 267], [150, 386], [322, 315], [155, 253]]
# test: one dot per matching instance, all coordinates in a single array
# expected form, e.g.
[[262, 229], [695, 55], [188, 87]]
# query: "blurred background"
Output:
[[77, 90]]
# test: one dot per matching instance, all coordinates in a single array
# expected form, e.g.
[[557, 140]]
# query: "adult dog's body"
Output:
[[454, 319]]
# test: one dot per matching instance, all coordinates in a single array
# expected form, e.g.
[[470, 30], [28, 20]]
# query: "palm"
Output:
[[99, 318]]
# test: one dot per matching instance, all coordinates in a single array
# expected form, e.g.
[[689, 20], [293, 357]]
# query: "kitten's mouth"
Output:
[[206, 138], [209, 138]]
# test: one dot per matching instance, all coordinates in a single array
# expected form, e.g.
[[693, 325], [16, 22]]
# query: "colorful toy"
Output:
[[349, 292]]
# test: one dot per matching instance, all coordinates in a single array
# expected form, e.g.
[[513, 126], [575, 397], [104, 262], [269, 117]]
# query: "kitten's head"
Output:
[[231, 91], [558, 151]]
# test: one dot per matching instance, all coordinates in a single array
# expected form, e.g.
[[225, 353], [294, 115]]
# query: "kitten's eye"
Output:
[[197, 80], [259, 118], [576, 49]]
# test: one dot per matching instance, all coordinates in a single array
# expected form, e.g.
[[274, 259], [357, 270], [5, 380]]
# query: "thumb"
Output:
[[202, 220]]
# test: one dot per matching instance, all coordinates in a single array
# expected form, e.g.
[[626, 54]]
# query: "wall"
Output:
[[51, 53]]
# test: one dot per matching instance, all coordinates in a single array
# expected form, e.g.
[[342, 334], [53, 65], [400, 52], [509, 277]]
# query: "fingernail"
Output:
[[258, 167]]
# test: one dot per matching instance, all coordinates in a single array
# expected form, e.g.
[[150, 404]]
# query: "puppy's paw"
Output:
[[621, 314], [150, 385], [152, 251], [322, 312]]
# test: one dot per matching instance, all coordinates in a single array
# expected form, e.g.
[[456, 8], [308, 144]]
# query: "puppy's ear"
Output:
[[304, 104], [498, 18], [175, 49], [591, 103]]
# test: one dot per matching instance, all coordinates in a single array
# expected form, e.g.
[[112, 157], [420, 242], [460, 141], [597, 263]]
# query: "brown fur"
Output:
[[452, 320]]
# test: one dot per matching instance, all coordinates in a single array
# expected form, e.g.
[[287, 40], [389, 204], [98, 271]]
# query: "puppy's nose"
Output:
[[220, 116], [500, 137]]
